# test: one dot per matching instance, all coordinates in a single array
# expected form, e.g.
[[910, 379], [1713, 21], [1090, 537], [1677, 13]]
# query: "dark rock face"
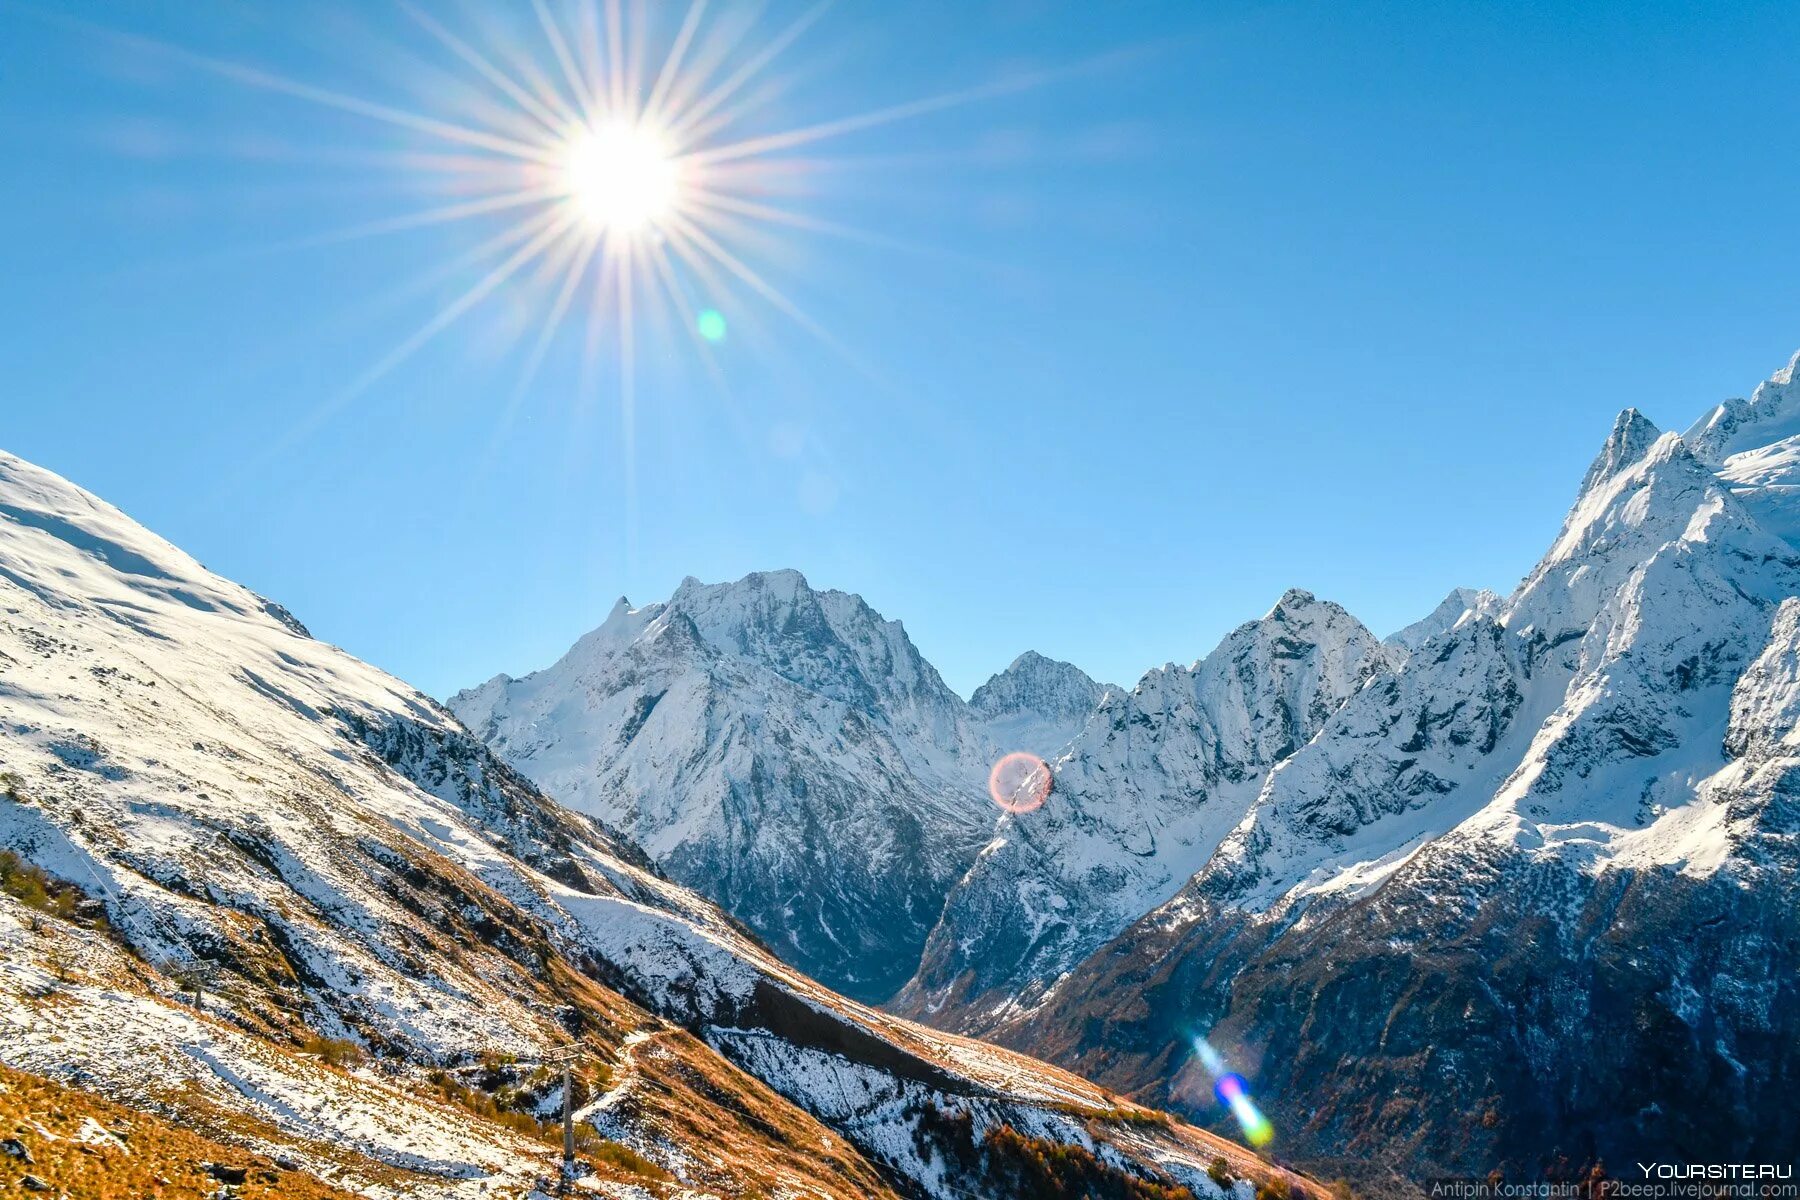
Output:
[[1660, 1018], [224, 1173]]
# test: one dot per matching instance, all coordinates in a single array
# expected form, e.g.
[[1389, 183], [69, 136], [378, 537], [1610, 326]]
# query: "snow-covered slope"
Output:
[[1037, 704], [1754, 445], [331, 854], [1546, 866], [1671, 586], [1140, 799]]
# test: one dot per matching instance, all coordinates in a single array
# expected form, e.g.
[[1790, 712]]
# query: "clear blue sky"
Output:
[[1336, 296]]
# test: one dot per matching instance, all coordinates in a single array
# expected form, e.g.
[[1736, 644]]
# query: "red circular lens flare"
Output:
[[1020, 782]]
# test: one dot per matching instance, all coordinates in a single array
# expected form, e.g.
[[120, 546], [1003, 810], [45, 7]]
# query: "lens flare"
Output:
[[1234, 1093], [1020, 782], [711, 324]]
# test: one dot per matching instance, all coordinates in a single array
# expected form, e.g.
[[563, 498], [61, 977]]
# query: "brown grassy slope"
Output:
[[138, 1155], [743, 1139], [688, 1109]]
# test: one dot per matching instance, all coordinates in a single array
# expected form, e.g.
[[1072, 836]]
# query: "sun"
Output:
[[621, 177], [619, 165]]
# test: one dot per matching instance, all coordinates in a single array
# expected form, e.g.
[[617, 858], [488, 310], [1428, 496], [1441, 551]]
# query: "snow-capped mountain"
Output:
[[785, 751], [1157, 776], [1518, 885], [341, 869], [1754, 445], [1512, 891], [1037, 704], [1453, 608]]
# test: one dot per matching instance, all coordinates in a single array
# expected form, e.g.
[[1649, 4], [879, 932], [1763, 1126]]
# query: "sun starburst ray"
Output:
[[573, 273], [617, 74], [725, 202], [269, 81], [665, 77], [440, 215], [552, 121], [684, 123], [565, 58], [555, 224], [774, 296]]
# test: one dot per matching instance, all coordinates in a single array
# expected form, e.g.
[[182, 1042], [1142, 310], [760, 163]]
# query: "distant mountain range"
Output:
[[785, 751], [1515, 885]]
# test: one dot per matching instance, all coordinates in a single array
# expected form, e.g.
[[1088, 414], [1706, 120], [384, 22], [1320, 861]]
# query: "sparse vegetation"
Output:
[[491, 1106], [36, 888], [1038, 1168], [134, 1154], [1116, 1114], [622, 1157], [1007, 1162], [1220, 1173], [1276, 1187], [339, 1052]]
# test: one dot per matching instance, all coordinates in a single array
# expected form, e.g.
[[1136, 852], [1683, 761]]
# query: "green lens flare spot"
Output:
[[711, 324]]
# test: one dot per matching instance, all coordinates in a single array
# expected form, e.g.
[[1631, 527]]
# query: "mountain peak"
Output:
[[784, 581], [736, 721], [1785, 376], [1630, 440], [1041, 686], [1445, 617], [1293, 598]]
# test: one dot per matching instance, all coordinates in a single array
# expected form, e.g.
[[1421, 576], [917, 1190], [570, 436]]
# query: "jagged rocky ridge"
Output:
[[1529, 897], [1460, 603], [1142, 796], [325, 852]]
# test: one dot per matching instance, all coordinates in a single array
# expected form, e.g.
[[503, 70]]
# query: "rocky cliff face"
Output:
[[1143, 795], [1037, 704], [1754, 445], [788, 753], [1460, 603]]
